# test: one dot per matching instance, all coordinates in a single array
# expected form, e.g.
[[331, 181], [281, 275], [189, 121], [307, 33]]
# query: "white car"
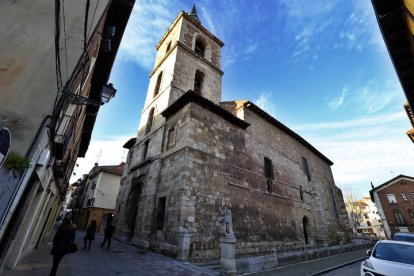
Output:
[[389, 258]]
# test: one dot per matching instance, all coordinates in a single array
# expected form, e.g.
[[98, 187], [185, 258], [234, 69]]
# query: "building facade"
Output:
[[57, 57], [98, 197], [371, 223], [396, 22], [395, 202], [194, 156]]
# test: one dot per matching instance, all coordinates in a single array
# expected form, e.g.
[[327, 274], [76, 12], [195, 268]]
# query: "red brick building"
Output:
[[395, 203]]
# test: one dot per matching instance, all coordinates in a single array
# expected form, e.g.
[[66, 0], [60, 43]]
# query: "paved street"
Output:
[[349, 270], [124, 259], [314, 267], [121, 259]]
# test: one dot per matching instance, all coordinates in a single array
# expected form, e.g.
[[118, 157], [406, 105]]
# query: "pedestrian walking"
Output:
[[109, 230], [62, 242], [90, 235]]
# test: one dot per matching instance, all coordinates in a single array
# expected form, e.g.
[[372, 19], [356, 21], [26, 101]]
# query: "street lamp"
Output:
[[107, 93]]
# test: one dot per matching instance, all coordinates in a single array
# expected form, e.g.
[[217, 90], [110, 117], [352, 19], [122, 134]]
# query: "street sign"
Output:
[[5, 140]]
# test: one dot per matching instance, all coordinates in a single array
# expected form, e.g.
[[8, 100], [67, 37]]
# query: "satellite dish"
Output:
[[5, 141]]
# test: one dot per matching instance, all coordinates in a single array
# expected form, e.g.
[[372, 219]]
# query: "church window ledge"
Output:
[[238, 186], [140, 165]]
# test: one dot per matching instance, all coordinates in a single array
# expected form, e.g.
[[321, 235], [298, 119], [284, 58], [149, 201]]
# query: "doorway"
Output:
[[134, 199]]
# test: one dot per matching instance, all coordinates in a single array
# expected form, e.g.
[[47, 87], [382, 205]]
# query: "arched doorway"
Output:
[[132, 207], [305, 222]]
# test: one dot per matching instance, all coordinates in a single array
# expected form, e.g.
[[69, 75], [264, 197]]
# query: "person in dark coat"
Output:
[[90, 235], [109, 230], [64, 237]]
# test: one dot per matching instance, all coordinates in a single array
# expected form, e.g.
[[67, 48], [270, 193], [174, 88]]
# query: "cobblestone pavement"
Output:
[[121, 259]]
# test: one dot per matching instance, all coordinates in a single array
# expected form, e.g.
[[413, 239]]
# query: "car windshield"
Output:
[[395, 252]]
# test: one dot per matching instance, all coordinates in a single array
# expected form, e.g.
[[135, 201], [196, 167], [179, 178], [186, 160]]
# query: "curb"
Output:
[[336, 267]]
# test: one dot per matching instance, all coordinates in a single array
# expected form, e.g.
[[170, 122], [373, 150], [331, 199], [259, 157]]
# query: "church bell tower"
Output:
[[188, 58]]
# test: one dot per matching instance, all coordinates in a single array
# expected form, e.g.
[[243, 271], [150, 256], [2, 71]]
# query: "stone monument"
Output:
[[227, 243]]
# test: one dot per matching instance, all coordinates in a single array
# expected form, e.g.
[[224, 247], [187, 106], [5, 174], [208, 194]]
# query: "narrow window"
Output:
[[145, 150], [268, 168], [398, 217], [366, 216], [161, 212], [306, 168], [168, 47], [269, 185], [199, 47], [198, 81], [301, 193], [368, 223], [391, 198], [404, 197], [171, 138], [411, 213], [157, 85], [149, 121]]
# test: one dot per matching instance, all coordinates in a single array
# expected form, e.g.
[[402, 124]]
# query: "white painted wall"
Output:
[[106, 190]]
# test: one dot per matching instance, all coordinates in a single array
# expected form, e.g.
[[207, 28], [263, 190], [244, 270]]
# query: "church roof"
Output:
[[388, 183], [193, 14], [193, 97], [285, 129]]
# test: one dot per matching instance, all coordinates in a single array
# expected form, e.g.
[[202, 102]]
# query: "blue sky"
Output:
[[319, 67]]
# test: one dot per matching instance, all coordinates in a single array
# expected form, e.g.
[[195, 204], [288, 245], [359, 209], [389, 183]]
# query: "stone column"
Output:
[[228, 256], [184, 246]]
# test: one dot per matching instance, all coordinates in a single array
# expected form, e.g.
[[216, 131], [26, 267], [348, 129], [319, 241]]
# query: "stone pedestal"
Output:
[[184, 246], [228, 255]]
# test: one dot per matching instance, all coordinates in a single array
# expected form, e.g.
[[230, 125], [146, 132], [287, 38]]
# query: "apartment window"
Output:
[[161, 212], [398, 217], [391, 198], [404, 197], [306, 168], [145, 150], [158, 84], [411, 213], [149, 121], [268, 168], [171, 138]]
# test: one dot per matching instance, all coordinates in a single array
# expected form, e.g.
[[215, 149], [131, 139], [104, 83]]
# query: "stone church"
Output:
[[195, 155]]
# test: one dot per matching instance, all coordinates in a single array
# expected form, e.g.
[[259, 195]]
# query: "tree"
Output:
[[354, 208]]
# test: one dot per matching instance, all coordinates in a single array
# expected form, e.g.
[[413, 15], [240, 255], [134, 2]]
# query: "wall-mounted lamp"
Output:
[[107, 93]]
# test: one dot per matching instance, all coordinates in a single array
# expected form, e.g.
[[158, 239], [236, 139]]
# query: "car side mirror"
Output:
[[368, 253]]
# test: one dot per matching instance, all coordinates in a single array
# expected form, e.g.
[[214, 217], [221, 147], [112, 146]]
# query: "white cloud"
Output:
[[360, 122], [209, 21], [104, 152], [370, 97], [360, 162], [364, 149], [336, 102], [147, 24], [266, 103], [251, 49]]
